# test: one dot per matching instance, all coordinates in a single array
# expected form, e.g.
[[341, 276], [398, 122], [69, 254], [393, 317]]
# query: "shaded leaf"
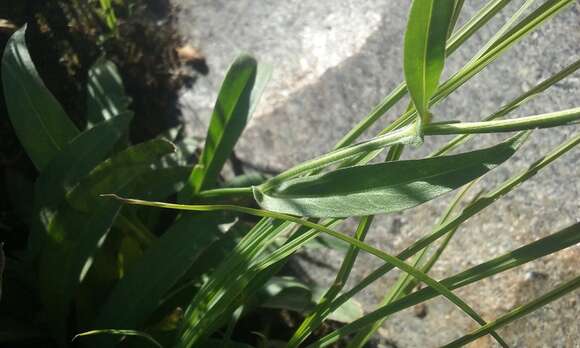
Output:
[[139, 293], [105, 93], [237, 99], [67, 168], [39, 121], [424, 50], [81, 224], [382, 188]]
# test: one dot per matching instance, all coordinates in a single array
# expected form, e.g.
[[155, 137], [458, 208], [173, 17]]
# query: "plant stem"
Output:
[[518, 312], [403, 135], [523, 123]]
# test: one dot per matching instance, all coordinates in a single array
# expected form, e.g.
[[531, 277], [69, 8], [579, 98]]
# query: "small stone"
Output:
[[420, 310]]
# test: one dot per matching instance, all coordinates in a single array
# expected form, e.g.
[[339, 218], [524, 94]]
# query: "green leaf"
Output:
[[40, 122], [286, 293], [67, 168], [105, 93], [424, 50], [81, 224], [157, 271], [382, 188], [237, 99]]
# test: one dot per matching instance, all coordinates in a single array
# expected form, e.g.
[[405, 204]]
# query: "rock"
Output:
[[333, 61]]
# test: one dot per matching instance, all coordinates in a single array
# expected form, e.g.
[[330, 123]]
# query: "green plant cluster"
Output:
[[106, 265]]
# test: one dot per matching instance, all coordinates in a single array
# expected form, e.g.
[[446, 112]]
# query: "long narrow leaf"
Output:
[[81, 224], [237, 99], [560, 240], [424, 49], [156, 272], [40, 122], [106, 96], [66, 169], [382, 188]]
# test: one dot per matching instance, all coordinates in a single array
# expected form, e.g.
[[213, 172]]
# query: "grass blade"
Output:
[[518, 312], [39, 121], [156, 272], [394, 261], [560, 240]]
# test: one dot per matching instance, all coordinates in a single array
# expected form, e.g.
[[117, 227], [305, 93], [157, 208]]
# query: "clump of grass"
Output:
[[92, 232]]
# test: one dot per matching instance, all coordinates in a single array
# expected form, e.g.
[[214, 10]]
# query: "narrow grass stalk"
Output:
[[552, 119], [337, 285], [405, 283], [394, 261], [514, 104], [533, 251], [518, 312]]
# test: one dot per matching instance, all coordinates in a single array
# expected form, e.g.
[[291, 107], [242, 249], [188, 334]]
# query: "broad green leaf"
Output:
[[105, 93], [40, 122], [285, 293], [237, 99], [139, 293], [382, 188], [424, 50], [67, 168], [81, 224]]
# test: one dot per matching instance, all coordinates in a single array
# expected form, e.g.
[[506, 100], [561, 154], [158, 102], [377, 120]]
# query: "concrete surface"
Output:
[[333, 61]]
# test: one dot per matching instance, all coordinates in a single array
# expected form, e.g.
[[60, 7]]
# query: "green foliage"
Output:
[[116, 268]]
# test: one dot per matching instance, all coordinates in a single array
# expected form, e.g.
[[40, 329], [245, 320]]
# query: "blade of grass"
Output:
[[394, 261], [518, 312], [514, 104], [405, 283], [338, 284], [560, 240]]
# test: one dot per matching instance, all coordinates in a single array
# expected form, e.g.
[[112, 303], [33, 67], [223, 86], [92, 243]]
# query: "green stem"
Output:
[[553, 119], [533, 251], [403, 135], [226, 192], [518, 312]]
